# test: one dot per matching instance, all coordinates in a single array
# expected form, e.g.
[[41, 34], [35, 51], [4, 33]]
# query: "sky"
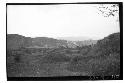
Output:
[[69, 20]]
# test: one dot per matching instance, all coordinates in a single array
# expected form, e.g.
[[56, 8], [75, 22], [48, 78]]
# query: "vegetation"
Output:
[[101, 59]]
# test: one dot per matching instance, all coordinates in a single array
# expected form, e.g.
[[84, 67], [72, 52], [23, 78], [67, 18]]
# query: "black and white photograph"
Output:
[[64, 41]]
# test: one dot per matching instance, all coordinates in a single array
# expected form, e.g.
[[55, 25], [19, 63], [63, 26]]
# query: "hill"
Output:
[[103, 59], [15, 41], [107, 46]]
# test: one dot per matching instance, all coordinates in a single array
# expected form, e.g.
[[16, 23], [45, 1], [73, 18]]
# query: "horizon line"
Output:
[[61, 37]]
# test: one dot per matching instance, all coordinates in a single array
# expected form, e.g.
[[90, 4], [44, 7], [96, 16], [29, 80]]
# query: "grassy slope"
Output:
[[38, 65], [101, 59]]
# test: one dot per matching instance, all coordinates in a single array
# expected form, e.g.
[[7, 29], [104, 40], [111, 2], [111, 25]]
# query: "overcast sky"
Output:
[[59, 21]]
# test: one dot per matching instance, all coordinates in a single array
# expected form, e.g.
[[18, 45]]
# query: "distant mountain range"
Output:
[[79, 38], [15, 41]]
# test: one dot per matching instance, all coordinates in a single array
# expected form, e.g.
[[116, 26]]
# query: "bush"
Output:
[[17, 58], [104, 67], [79, 64], [54, 58], [96, 66]]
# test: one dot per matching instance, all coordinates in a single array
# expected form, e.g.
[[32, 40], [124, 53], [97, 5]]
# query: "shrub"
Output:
[[79, 64], [104, 67], [54, 58], [96, 66]]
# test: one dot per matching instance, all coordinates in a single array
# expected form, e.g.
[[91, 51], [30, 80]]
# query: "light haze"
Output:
[[69, 20]]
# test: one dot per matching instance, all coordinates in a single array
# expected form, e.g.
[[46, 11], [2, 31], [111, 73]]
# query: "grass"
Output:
[[56, 62], [28, 65]]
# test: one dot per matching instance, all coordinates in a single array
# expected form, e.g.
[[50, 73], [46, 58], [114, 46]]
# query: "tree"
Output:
[[108, 9]]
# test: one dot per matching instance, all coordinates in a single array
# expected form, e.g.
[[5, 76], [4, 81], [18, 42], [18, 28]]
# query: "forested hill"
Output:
[[15, 41], [102, 59], [107, 46]]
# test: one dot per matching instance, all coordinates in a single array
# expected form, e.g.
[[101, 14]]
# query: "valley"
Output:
[[48, 57]]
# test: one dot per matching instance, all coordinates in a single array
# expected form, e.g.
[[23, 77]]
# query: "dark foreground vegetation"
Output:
[[101, 59]]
